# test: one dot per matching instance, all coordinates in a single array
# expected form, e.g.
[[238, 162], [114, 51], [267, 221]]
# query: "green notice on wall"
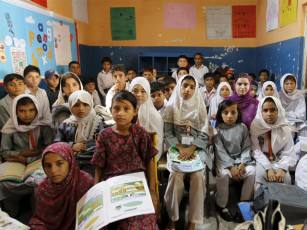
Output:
[[123, 23]]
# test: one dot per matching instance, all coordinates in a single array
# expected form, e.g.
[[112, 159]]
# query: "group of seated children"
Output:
[[253, 143]]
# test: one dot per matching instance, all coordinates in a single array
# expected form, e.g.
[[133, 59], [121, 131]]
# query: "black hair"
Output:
[[182, 68], [252, 75], [120, 68], [269, 99], [254, 83], [88, 80], [216, 77], [182, 56], [198, 54], [161, 75], [264, 70], [106, 59], [132, 69], [67, 76], [73, 62], [189, 77], [168, 80], [157, 86], [222, 106], [31, 68], [24, 101], [147, 69], [290, 77], [206, 75], [128, 96], [241, 75], [10, 77]]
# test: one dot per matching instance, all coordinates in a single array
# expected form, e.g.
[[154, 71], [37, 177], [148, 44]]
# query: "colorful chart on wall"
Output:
[[244, 21], [179, 16], [288, 12], [29, 35], [272, 15], [123, 23]]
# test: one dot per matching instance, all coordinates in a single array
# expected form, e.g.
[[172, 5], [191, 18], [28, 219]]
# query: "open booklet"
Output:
[[18, 172], [183, 166], [114, 199], [8, 223]]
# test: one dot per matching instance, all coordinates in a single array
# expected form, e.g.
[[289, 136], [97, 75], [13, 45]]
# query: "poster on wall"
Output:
[[218, 27], [288, 12], [40, 2], [123, 23], [243, 21], [179, 15], [19, 59], [2, 53], [79, 10], [272, 15]]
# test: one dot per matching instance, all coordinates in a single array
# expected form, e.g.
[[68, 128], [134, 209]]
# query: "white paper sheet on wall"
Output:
[[62, 49], [218, 22], [19, 59], [79, 10], [272, 15]]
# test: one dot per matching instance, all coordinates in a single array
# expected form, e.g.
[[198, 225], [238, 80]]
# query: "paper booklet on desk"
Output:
[[183, 166], [8, 223], [18, 172], [114, 199]]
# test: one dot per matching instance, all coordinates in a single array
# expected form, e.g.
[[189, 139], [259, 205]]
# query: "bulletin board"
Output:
[[32, 35]]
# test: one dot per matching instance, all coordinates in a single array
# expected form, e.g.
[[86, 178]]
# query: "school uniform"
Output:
[[96, 98], [104, 82], [301, 173], [199, 73], [207, 96], [161, 111], [110, 95], [5, 106], [174, 75], [272, 152], [233, 153], [266, 84]]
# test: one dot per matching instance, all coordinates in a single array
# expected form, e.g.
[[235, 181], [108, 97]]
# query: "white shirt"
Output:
[[96, 98], [104, 81], [207, 95], [161, 111], [199, 73]]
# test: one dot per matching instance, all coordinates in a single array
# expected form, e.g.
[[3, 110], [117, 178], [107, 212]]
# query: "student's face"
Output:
[[131, 75], [230, 114], [223, 79], [123, 112], [148, 75], [154, 72], [90, 87], [269, 112], [56, 168], [225, 92], [198, 59], [263, 77], [140, 94], [119, 78], [242, 86], [187, 89], [157, 98], [253, 91], [106, 66], [182, 62], [53, 81], [209, 82], [181, 73], [15, 88], [33, 79], [75, 68], [26, 113], [269, 91], [70, 86], [169, 90], [289, 86], [81, 109]]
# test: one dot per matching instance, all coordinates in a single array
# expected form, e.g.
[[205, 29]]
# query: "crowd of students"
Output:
[[254, 140]]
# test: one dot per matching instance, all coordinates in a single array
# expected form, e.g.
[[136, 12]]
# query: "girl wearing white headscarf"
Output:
[[218, 98], [79, 132], [272, 145], [148, 117], [183, 116], [263, 93]]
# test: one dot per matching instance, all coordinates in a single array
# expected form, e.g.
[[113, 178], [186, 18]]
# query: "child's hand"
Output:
[[280, 175], [79, 147], [16, 158], [187, 153], [241, 169], [235, 173], [271, 175]]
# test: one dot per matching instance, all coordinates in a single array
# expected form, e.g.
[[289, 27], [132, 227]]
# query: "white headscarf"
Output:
[[148, 116], [288, 98], [301, 173], [217, 99], [266, 84], [187, 112], [12, 125], [280, 130], [86, 126]]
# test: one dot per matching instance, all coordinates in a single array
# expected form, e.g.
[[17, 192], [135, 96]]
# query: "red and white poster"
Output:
[[40, 2], [244, 21]]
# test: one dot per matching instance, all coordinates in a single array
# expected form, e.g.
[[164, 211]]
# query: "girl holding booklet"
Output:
[[126, 148], [186, 126], [60, 191]]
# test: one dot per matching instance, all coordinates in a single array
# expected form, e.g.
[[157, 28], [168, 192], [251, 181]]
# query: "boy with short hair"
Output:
[[182, 71], [120, 80], [131, 74], [14, 85], [198, 70], [157, 93], [182, 61], [75, 68], [170, 84], [208, 91], [52, 89], [161, 76], [254, 88], [89, 85], [32, 77], [147, 72], [104, 78], [263, 75]]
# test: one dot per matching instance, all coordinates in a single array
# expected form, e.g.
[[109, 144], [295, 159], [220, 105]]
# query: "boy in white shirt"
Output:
[[198, 70], [182, 61], [208, 91], [104, 78], [147, 72], [157, 93], [90, 86]]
